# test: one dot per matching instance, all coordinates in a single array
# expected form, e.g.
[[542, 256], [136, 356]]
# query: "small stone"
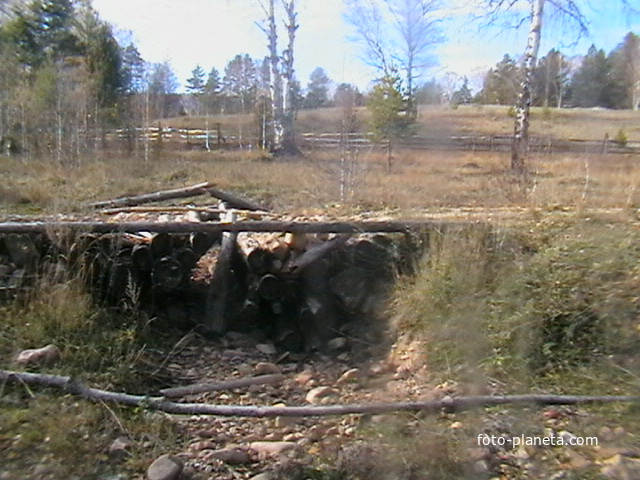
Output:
[[337, 344], [270, 449], [232, 456], [455, 426], [40, 356], [350, 376], [286, 422], [120, 445], [343, 357], [166, 467], [304, 377], [378, 368], [245, 369], [316, 395], [266, 368], [203, 445], [266, 348], [263, 476]]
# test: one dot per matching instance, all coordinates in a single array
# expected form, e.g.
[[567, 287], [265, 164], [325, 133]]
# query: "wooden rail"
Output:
[[214, 227]]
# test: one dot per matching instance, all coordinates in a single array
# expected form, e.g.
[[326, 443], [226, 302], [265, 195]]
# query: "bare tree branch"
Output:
[[159, 403]]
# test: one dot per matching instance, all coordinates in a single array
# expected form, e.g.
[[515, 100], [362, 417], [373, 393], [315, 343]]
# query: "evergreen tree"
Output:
[[214, 84], [196, 84], [317, 89], [624, 75], [502, 83], [589, 84], [389, 119], [240, 82], [463, 95], [551, 80], [133, 70]]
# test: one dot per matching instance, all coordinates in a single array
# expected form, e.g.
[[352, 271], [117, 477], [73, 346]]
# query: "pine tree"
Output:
[[196, 83], [502, 83], [551, 80], [240, 82], [463, 95], [589, 84], [317, 89], [624, 85]]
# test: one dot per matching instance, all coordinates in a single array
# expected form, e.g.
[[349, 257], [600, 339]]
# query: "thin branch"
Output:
[[195, 389], [434, 406]]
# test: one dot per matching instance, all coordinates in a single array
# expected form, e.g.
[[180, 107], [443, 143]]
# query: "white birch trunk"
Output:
[[275, 81], [520, 144], [288, 72]]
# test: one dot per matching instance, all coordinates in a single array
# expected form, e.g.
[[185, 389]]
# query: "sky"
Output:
[[209, 33]]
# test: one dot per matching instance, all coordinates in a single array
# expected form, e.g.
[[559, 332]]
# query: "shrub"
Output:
[[621, 138], [565, 296]]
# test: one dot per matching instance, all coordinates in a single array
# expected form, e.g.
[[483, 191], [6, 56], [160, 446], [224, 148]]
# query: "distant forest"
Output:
[[66, 80]]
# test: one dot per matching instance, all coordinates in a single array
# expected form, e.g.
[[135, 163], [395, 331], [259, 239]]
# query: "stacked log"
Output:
[[20, 259], [300, 290]]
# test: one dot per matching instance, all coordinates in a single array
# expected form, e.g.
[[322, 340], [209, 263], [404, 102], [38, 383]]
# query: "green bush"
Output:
[[559, 296], [621, 138]]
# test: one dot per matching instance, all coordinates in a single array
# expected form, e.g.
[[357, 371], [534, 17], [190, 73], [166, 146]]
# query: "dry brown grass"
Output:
[[578, 123], [319, 181], [418, 180]]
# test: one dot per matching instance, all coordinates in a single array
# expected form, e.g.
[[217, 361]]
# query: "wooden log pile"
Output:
[[299, 290], [20, 261], [277, 280], [302, 291]]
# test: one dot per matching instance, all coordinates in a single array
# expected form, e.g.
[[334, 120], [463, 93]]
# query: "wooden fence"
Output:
[[219, 138]]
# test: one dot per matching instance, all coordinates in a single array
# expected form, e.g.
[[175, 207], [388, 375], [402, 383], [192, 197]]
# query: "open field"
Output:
[[418, 182], [576, 123]]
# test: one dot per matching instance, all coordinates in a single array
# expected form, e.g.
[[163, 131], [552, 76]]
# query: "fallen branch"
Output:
[[177, 392], [148, 209], [234, 201], [199, 189], [159, 403]]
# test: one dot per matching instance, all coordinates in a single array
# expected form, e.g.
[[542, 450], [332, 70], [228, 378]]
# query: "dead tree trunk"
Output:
[[275, 80], [288, 109], [520, 145]]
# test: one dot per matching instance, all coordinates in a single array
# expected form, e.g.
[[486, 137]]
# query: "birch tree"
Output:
[[398, 37], [570, 13], [281, 74]]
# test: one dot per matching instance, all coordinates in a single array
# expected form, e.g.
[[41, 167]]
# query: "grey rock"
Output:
[[266, 368], [233, 456], [275, 448], [263, 476], [337, 344], [120, 445], [316, 395], [166, 467], [266, 348], [40, 356]]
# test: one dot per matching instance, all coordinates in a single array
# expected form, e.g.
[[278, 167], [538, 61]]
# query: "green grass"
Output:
[[527, 306]]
